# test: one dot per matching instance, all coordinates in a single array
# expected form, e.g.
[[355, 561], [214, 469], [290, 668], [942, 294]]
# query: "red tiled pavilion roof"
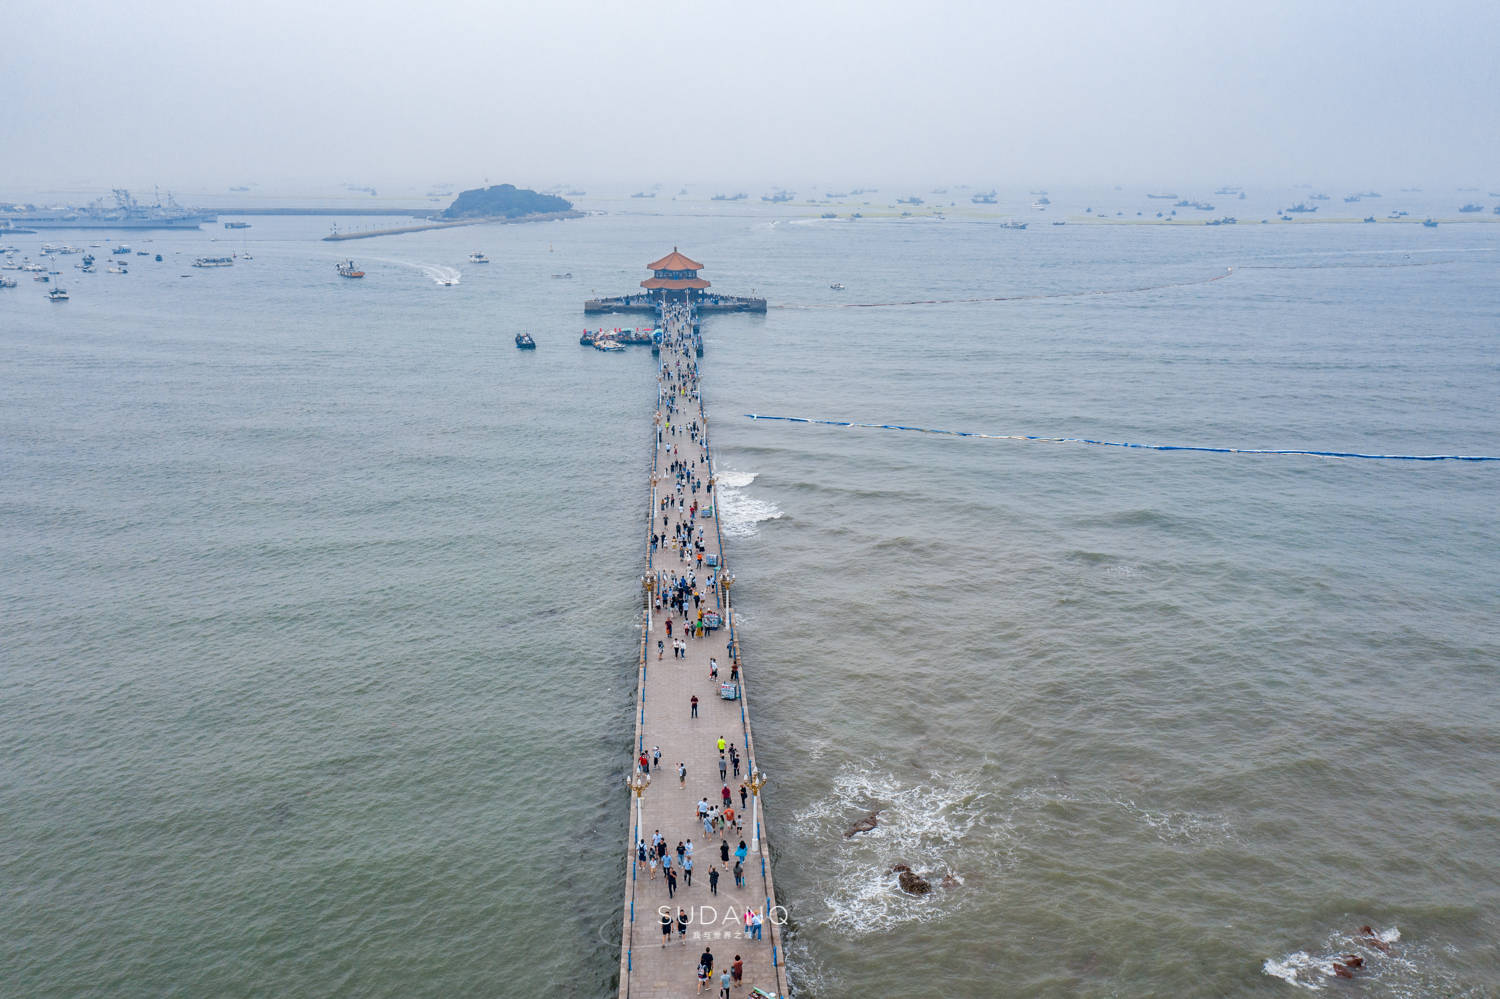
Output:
[[675, 261], [674, 284]]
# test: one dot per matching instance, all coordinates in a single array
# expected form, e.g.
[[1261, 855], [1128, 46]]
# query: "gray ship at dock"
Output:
[[125, 213]]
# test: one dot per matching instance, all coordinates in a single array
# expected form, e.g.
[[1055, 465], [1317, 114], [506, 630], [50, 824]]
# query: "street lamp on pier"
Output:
[[638, 782], [757, 781]]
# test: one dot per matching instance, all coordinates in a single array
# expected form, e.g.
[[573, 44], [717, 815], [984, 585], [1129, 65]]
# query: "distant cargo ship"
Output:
[[1167, 197], [236, 225], [125, 213]]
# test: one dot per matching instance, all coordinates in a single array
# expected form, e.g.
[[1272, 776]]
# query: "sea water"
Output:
[[319, 607]]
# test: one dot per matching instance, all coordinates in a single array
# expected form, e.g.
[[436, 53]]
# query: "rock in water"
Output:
[[949, 881], [913, 884], [863, 825], [899, 868]]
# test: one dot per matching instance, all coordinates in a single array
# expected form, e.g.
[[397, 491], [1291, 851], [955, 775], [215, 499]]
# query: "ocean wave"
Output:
[[921, 825], [1178, 826], [1169, 825], [1315, 971], [730, 478], [738, 511], [1300, 969]]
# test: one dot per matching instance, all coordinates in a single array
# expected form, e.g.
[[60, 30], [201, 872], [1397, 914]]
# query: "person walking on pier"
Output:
[[687, 872], [694, 703], [682, 925], [739, 874], [682, 775], [713, 881], [724, 853], [666, 927], [672, 882]]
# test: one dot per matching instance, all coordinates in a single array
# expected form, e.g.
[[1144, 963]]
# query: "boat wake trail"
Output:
[[441, 275], [438, 273], [1010, 298]]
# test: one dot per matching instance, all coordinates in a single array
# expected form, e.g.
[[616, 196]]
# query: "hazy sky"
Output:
[[198, 96]]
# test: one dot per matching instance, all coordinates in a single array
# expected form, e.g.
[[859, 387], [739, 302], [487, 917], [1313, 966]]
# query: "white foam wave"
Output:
[[734, 479], [1312, 972], [922, 826], [1174, 826], [1170, 825], [739, 512], [1300, 969]]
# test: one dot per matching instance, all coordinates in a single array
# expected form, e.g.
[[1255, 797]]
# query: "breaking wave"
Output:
[[1314, 972], [923, 826], [739, 512]]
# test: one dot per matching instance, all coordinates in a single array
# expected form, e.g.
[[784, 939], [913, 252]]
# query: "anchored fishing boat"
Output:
[[524, 342], [348, 270]]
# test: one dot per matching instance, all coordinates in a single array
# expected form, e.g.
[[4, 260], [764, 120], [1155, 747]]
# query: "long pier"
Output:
[[687, 558]]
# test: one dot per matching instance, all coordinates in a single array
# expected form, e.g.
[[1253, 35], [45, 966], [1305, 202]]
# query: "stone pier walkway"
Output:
[[664, 721]]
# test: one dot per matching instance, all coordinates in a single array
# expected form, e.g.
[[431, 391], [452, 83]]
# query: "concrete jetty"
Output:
[[665, 720], [335, 237]]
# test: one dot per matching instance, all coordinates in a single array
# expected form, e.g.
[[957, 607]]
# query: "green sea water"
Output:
[[319, 610]]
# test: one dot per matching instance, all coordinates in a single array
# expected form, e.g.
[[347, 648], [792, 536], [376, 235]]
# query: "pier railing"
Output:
[[724, 602]]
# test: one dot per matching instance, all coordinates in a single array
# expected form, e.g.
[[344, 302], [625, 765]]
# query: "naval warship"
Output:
[[125, 213]]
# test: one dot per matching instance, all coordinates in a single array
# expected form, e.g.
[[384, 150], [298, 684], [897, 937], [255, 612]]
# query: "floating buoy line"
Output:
[[1011, 298], [850, 424]]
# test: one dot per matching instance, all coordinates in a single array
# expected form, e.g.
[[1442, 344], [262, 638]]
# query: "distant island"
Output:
[[500, 204], [503, 201]]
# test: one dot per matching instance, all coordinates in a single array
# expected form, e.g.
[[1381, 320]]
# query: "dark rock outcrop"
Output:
[[913, 884], [863, 825]]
